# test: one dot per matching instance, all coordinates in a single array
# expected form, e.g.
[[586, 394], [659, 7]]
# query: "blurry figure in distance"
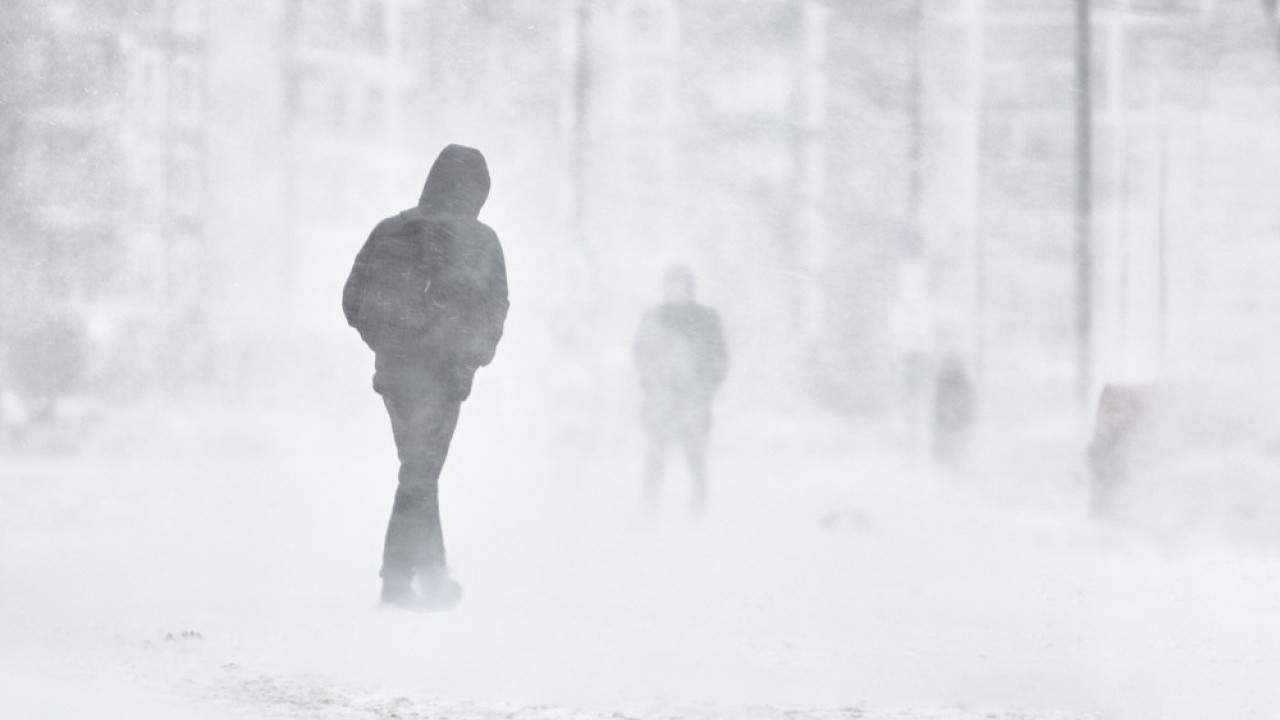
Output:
[[681, 359], [428, 294], [46, 363], [1123, 415], [953, 411]]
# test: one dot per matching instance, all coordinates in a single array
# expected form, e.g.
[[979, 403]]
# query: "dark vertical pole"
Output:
[[789, 222], [1084, 203], [167, 222], [572, 320], [581, 102], [976, 16], [288, 163], [914, 244], [1162, 270], [204, 194], [915, 367]]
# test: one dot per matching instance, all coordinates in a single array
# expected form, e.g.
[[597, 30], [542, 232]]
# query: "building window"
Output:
[[816, 98], [317, 22], [320, 104], [370, 20], [185, 260], [648, 24], [321, 188], [188, 17], [147, 84], [77, 70], [76, 167], [147, 12], [147, 185], [759, 91], [81, 262], [412, 28], [323, 104], [649, 96], [187, 91], [648, 167], [373, 113], [111, 10], [1176, 6], [63, 154], [186, 182], [143, 269]]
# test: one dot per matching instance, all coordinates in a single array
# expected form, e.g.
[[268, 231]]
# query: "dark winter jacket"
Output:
[[428, 291], [680, 351]]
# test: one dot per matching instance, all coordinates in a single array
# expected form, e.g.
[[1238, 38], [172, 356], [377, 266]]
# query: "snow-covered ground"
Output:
[[224, 565]]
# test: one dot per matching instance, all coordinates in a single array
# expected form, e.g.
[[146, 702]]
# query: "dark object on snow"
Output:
[[953, 410], [48, 359], [1122, 415], [681, 358], [428, 293]]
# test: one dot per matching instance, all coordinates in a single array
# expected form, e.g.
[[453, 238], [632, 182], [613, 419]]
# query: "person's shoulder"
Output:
[[467, 225], [396, 224], [488, 240], [487, 232], [706, 313]]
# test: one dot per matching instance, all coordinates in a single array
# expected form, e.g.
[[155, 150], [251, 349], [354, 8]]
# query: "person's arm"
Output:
[[474, 296], [495, 304], [353, 291], [717, 352]]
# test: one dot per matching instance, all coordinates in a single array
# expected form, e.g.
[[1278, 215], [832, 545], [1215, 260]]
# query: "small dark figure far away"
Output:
[[953, 411], [428, 293], [1125, 414], [681, 358]]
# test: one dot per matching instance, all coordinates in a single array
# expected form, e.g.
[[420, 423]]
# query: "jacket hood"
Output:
[[458, 182]]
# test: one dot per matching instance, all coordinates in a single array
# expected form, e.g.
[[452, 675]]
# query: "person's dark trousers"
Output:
[[423, 419], [695, 449], [687, 424]]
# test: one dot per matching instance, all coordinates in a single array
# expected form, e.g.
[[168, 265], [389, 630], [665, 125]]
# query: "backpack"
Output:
[[389, 286], [429, 285]]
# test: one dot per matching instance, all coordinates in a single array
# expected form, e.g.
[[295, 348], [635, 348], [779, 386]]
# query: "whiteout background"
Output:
[[197, 532]]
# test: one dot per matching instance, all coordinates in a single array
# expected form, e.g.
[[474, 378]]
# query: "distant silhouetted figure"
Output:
[[1124, 414], [953, 411], [681, 358], [49, 359], [428, 293]]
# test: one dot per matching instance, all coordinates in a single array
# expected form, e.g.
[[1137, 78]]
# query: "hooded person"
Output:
[[428, 294]]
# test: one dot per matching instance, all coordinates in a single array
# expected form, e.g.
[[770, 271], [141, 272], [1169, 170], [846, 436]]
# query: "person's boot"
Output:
[[400, 593], [437, 591]]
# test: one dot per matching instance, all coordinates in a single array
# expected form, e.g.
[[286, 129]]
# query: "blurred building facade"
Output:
[[109, 169], [350, 67], [192, 173], [869, 321], [892, 181], [302, 178], [898, 182], [1179, 89]]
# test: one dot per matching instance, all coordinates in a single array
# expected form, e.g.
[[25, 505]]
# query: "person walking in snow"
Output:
[[428, 294], [953, 411], [681, 359]]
